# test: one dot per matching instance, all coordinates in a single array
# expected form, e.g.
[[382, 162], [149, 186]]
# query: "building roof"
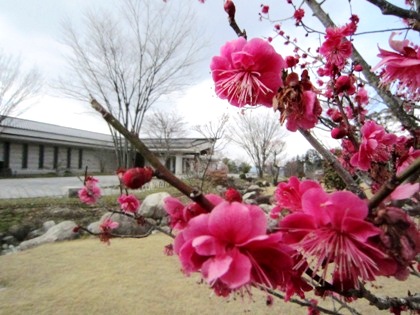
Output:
[[17, 129]]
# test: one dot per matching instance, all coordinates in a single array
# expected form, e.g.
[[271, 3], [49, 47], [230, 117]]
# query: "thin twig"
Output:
[[160, 170]]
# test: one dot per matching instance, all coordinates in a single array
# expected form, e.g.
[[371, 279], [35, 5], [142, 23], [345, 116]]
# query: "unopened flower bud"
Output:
[[230, 9], [338, 133], [232, 195], [135, 178]]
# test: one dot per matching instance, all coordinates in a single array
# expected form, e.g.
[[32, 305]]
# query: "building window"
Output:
[[80, 158], [41, 157], [25, 155], [55, 158], [6, 155], [69, 158]]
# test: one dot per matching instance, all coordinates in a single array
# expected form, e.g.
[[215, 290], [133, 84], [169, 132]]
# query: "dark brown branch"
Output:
[[393, 103], [160, 170], [235, 27], [331, 159], [389, 187], [412, 302], [390, 9]]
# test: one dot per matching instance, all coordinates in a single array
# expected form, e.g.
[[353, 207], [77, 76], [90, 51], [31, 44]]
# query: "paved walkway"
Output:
[[48, 187]]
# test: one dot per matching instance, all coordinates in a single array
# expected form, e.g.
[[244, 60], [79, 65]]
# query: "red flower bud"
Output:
[[358, 68], [338, 133], [230, 9], [265, 9], [232, 195], [135, 178]]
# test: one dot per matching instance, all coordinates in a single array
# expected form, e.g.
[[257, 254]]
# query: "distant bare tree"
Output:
[[128, 58], [214, 131], [259, 136], [16, 84], [275, 158], [162, 128]]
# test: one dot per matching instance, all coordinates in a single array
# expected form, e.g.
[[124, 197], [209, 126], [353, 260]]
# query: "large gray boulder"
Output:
[[152, 206], [59, 232], [126, 225]]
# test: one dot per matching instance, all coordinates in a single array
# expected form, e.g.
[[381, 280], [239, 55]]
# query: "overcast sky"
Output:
[[32, 30]]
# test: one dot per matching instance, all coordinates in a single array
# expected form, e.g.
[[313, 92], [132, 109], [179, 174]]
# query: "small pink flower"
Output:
[[289, 195], [247, 72], [362, 97], [376, 146], [129, 203], [180, 214], [346, 84], [331, 229], [107, 225], [408, 158], [231, 249], [336, 49], [403, 66], [90, 193], [298, 15], [298, 103]]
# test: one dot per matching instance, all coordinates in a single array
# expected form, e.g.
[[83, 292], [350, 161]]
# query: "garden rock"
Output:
[[152, 206], [47, 225], [126, 225], [60, 232]]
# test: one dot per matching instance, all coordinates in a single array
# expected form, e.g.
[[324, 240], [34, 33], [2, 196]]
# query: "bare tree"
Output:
[[162, 127], [214, 131], [16, 84], [129, 58], [259, 136]]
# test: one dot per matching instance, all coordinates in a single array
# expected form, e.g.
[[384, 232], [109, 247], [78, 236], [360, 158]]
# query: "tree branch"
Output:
[[345, 176], [394, 182], [390, 9], [160, 170]]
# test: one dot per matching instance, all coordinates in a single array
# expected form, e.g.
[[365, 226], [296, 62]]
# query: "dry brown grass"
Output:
[[128, 277]]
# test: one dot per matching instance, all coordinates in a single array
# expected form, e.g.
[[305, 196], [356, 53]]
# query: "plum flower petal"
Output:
[[331, 229], [289, 195], [180, 214], [231, 248], [247, 72], [90, 193], [403, 66], [376, 146], [129, 203]]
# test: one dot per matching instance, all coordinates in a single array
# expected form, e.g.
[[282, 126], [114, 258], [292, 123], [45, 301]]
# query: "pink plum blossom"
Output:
[[180, 214], [403, 66], [289, 195], [232, 250], [376, 146], [128, 203], [298, 103], [90, 193], [332, 229], [107, 225], [336, 49], [408, 158], [247, 72]]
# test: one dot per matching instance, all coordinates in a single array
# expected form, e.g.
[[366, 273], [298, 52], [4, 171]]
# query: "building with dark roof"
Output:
[[29, 147]]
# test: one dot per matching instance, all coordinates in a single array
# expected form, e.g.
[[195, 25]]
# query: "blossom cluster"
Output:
[[233, 249]]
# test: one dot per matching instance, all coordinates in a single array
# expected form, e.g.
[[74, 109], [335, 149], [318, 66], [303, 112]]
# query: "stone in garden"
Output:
[[152, 206], [126, 225], [47, 225], [60, 232]]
